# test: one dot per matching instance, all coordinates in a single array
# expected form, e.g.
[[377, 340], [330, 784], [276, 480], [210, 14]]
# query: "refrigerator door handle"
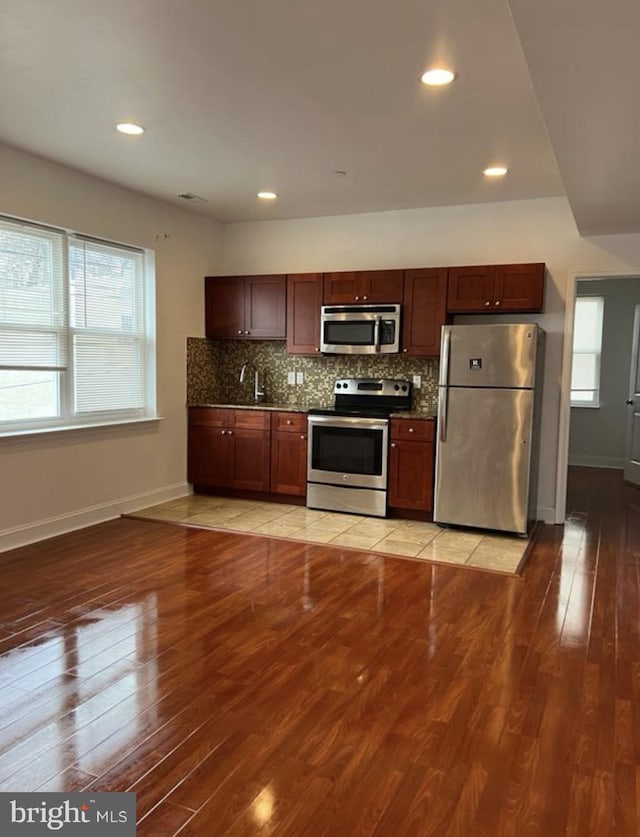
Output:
[[444, 360], [443, 398]]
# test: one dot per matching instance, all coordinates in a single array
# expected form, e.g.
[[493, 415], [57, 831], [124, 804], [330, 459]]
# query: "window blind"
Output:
[[587, 348], [32, 299], [106, 302]]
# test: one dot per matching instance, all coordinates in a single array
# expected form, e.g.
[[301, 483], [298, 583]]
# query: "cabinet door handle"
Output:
[[223, 432], [497, 302], [239, 331], [487, 303], [289, 421], [247, 332], [357, 298], [411, 430], [393, 444], [365, 297], [229, 432], [303, 437], [317, 348]]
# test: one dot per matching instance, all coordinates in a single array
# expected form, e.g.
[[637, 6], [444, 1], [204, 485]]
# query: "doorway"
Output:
[[597, 437]]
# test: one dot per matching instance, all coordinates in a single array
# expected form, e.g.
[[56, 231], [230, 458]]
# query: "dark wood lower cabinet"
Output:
[[411, 464], [256, 451], [249, 451], [250, 454], [289, 454], [229, 448], [208, 457]]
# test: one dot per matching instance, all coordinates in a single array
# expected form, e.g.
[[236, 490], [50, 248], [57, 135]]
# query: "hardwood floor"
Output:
[[251, 686]]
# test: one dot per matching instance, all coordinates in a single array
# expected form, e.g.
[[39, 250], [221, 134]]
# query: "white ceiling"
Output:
[[243, 95], [584, 59]]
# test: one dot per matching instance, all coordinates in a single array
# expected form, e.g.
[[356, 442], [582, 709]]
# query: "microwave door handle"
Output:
[[376, 334]]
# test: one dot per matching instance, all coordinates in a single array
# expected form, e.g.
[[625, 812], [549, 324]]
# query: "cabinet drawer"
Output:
[[289, 422], [228, 417], [251, 419], [415, 429], [209, 417]]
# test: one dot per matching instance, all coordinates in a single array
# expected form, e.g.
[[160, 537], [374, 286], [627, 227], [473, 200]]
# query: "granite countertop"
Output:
[[299, 408], [415, 414], [266, 405]]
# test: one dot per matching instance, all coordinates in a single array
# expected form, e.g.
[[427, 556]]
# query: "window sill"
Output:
[[585, 406], [66, 428]]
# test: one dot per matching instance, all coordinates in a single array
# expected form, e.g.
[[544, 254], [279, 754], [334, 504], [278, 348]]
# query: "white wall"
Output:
[[518, 231], [55, 482]]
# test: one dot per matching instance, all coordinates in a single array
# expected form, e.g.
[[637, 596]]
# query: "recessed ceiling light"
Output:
[[129, 128], [267, 196], [495, 171], [437, 77]]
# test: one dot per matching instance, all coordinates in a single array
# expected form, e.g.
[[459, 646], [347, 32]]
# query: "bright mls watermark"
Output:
[[89, 814]]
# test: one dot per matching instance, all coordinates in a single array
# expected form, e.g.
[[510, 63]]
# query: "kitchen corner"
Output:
[[250, 448]]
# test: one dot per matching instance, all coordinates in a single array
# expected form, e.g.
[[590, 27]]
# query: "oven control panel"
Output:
[[387, 387]]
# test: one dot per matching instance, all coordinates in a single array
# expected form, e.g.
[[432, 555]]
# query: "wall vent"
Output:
[[189, 196]]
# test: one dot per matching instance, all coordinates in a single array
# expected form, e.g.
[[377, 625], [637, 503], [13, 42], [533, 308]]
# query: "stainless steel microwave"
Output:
[[360, 329]]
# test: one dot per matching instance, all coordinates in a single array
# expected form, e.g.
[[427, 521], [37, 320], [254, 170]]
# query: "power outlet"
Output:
[[291, 378], [417, 381], [299, 378]]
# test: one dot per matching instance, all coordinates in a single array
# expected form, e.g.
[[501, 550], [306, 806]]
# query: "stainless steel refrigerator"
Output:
[[488, 417]]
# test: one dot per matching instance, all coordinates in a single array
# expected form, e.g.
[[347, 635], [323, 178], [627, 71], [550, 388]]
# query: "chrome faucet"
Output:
[[258, 392]]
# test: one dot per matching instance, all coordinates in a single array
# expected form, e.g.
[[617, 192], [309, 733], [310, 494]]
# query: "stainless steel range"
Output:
[[348, 446]]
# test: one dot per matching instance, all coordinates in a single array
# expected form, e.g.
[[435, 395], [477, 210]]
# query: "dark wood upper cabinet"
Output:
[[496, 288], [272, 307], [424, 310], [363, 286], [304, 298], [245, 307], [224, 306], [520, 287]]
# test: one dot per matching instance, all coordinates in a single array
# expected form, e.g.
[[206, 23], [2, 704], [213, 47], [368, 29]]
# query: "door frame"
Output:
[[573, 276], [634, 367]]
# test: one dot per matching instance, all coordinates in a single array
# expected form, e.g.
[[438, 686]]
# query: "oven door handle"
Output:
[[376, 334], [348, 421]]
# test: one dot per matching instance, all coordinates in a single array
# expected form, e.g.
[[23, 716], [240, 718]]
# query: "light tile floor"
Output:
[[404, 538]]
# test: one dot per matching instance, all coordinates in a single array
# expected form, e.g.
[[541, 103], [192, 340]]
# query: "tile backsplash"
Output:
[[213, 372]]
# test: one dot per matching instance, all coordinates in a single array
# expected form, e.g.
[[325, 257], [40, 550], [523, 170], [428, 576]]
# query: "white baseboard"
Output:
[[597, 461], [89, 516], [546, 514]]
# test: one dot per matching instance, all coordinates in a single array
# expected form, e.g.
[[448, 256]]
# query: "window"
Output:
[[76, 331], [587, 348]]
